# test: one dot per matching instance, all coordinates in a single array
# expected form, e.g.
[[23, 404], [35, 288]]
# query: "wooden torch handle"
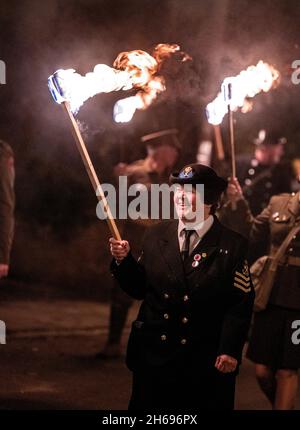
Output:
[[91, 172], [232, 146], [219, 142], [232, 143]]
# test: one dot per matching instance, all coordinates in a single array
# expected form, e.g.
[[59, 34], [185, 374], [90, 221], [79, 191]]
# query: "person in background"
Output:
[[163, 149], [271, 346], [7, 205], [263, 174]]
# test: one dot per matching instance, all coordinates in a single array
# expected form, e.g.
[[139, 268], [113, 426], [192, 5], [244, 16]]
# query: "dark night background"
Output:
[[58, 237]]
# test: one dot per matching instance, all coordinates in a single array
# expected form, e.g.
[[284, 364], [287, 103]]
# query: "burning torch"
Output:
[[226, 90], [228, 97], [236, 93], [59, 96], [132, 70]]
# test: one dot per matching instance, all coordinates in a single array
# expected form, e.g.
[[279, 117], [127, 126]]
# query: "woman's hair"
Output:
[[214, 208]]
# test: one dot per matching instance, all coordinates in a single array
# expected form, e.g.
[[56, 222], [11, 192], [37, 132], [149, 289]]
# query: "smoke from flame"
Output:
[[133, 69], [246, 85]]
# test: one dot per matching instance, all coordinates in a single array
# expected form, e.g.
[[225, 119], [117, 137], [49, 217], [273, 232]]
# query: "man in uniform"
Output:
[[7, 203], [186, 344], [263, 175], [163, 149]]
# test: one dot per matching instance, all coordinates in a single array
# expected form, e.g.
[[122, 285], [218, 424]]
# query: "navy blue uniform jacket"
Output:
[[188, 314]]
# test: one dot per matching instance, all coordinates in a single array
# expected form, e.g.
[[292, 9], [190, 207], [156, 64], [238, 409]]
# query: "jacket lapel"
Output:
[[205, 248], [169, 248]]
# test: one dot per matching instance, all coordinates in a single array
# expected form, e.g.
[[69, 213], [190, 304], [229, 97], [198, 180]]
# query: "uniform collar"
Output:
[[170, 251], [201, 229]]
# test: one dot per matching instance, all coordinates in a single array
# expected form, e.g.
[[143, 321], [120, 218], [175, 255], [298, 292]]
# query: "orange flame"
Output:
[[143, 68]]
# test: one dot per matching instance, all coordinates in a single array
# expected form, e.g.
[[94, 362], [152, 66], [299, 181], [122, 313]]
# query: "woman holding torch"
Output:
[[197, 297]]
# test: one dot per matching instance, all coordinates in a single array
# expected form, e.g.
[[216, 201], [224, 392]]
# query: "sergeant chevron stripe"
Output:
[[242, 279], [246, 290], [246, 278]]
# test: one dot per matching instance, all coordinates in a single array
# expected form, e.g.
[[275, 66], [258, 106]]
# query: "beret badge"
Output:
[[187, 172]]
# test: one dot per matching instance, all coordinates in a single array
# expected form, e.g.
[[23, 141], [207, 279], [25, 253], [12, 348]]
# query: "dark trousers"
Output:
[[183, 389]]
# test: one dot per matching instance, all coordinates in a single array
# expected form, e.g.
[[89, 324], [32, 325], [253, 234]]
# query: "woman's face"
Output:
[[189, 206]]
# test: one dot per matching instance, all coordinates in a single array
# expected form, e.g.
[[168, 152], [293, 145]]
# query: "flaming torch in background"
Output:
[[133, 69], [235, 94]]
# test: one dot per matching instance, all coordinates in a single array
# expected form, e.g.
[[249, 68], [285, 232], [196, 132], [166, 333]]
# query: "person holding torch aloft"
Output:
[[274, 346], [197, 297], [163, 149]]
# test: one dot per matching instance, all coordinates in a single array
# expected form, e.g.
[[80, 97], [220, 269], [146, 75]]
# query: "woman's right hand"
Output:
[[119, 249], [234, 191]]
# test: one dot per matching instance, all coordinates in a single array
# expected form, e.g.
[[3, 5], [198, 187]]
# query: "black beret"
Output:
[[195, 174]]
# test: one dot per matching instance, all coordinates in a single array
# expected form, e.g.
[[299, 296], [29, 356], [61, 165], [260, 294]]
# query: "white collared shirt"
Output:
[[199, 231]]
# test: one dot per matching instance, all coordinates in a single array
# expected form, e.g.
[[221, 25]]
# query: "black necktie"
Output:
[[185, 251]]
